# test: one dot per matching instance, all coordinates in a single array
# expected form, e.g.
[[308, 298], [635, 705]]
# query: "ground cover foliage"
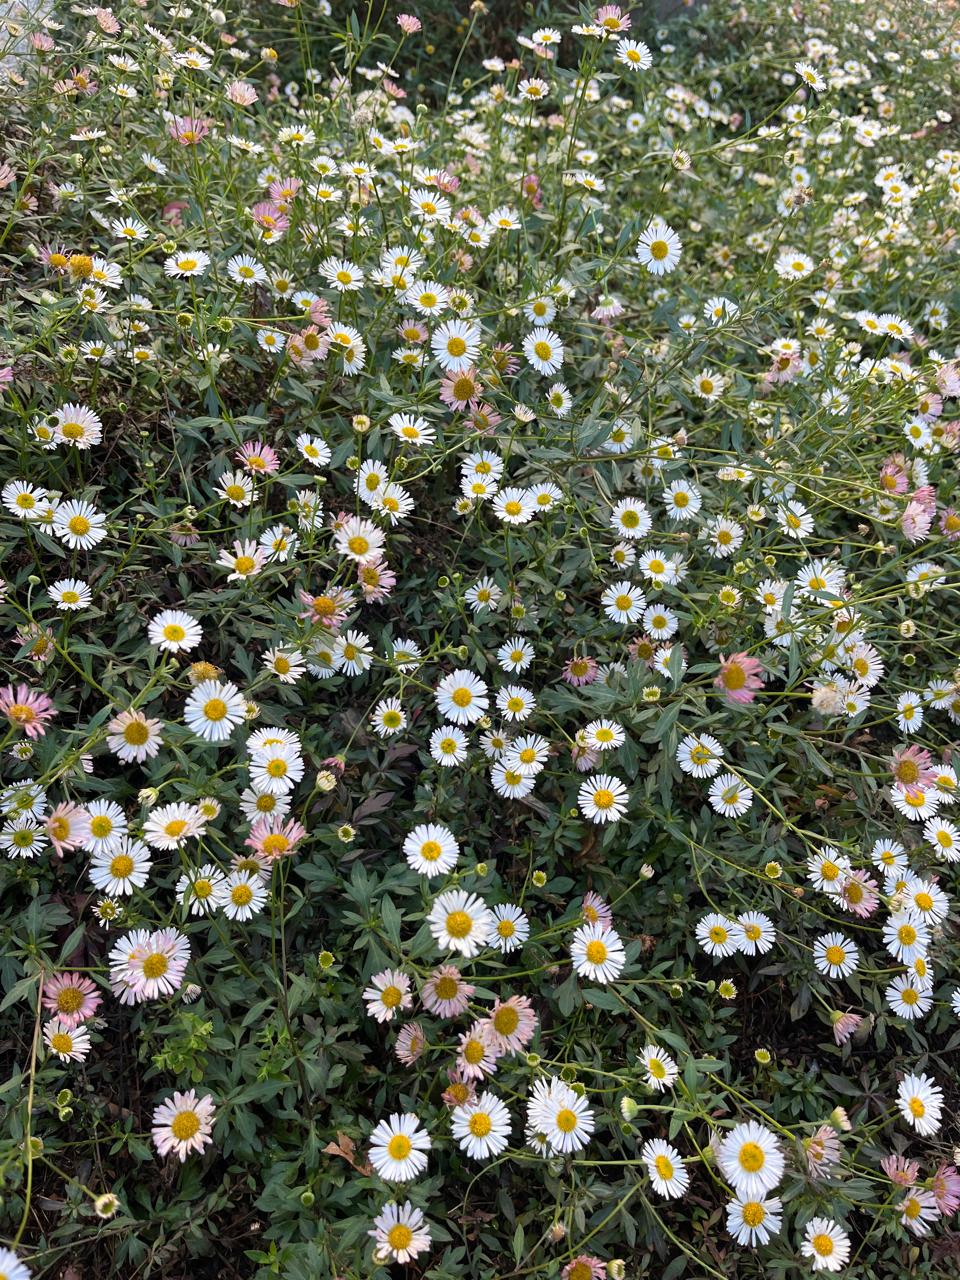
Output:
[[480, 551]]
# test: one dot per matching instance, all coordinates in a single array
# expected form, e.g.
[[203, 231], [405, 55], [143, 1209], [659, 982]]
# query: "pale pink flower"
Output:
[[739, 678], [595, 911], [580, 671], [269, 216], [948, 379], [894, 476], [912, 768], [483, 417], [183, 1124], [329, 609], [408, 24], [72, 997], [241, 94], [411, 1043], [822, 1151], [900, 1170], [272, 838], [612, 18], [916, 521], [460, 1091], [189, 131], [258, 458], [106, 21], [512, 1024], [376, 579], [585, 1266], [283, 190], [459, 389], [530, 189], [68, 826], [945, 1186], [844, 1025], [27, 709], [445, 993], [477, 1052], [859, 894], [930, 405]]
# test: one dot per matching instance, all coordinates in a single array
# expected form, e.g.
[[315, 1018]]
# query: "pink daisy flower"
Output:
[[283, 190], [376, 579], [27, 709], [269, 216], [445, 993], [900, 1170], [945, 1186], [188, 131], [584, 1267], [411, 1043], [329, 609], [844, 1025], [912, 768], [512, 1024], [68, 826], [71, 997], [273, 838], [739, 678], [580, 671], [596, 911], [477, 1052], [459, 389], [257, 457], [460, 1091], [858, 894]]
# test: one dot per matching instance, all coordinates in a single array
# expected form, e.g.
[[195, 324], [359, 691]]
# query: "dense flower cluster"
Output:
[[510, 542]]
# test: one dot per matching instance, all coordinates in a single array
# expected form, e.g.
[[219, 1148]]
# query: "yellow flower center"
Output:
[[751, 1157], [69, 1000], [473, 1052], [459, 924], [506, 1020], [753, 1213], [596, 951], [566, 1120], [399, 1237], [184, 1125], [155, 966]]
